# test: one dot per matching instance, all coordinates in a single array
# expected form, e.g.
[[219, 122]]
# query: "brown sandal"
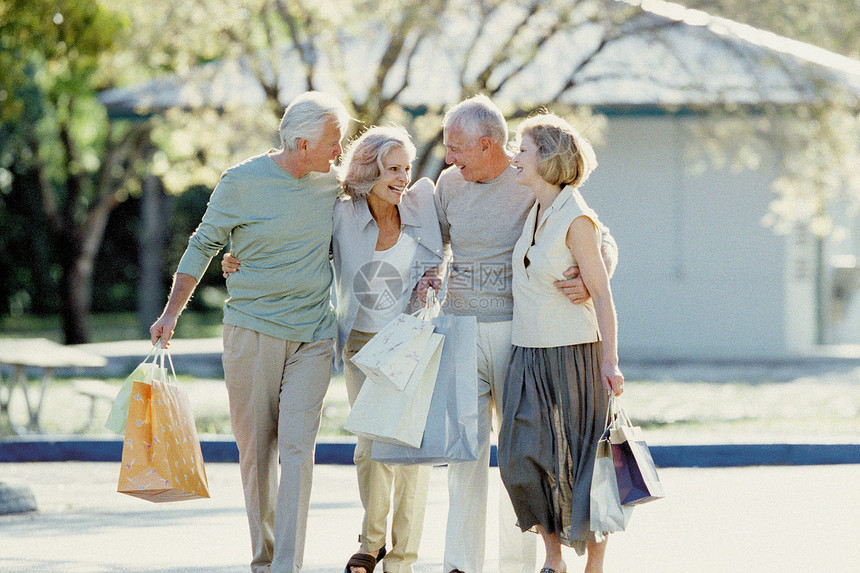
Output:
[[364, 560]]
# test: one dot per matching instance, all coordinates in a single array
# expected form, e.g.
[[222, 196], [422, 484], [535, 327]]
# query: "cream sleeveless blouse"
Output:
[[543, 316]]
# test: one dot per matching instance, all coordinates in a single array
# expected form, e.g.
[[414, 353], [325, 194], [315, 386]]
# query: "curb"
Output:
[[223, 449]]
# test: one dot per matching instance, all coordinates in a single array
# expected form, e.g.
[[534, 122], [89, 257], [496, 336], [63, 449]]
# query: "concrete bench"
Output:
[[44, 356], [96, 391]]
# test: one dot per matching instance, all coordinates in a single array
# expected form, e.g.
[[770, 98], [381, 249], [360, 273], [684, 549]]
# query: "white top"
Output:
[[543, 316], [386, 279]]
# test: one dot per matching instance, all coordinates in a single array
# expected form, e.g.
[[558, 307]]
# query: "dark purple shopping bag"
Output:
[[634, 468]]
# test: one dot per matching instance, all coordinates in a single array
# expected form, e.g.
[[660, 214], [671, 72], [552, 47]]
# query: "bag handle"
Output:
[[620, 417], [431, 306], [161, 354], [615, 414], [150, 363], [152, 353]]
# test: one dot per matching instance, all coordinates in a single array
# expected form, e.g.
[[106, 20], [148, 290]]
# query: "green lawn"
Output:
[[108, 327], [825, 409], [822, 407]]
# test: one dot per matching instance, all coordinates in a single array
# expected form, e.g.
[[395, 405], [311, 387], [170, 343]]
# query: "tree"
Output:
[[830, 24], [490, 43], [365, 50], [310, 45], [57, 142], [821, 138]]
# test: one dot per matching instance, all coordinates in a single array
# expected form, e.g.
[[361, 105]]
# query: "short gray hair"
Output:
[[363, 159], [306, 117], [478, 117]]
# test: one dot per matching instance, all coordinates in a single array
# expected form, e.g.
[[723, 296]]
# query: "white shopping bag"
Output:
[[608, 515], [145, 371], [391, 356], [383, 413]]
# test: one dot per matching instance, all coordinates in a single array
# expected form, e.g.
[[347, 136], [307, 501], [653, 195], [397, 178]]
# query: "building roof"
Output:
[[665, 55]]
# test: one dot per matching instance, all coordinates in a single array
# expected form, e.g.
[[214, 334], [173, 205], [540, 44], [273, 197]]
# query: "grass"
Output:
[[108, 327], [803, 410], [821, 407]]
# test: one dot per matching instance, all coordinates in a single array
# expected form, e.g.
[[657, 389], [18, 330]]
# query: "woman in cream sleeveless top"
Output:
[[564, 360]]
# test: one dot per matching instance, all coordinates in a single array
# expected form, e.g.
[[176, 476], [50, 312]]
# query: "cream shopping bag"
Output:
[[391, 356], [144, 372], [383, 413]]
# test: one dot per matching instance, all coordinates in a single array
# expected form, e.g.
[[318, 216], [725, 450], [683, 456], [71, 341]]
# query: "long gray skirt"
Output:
[[553, 412]]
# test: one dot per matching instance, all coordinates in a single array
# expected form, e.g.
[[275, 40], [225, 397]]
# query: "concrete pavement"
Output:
[[762, 519], [774, 518]]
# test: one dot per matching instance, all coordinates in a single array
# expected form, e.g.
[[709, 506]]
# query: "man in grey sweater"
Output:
[[481, 210], [276, 211]]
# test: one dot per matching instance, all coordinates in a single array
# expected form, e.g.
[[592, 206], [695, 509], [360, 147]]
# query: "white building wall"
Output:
[[843, 280], [699, 276], [802, 297]]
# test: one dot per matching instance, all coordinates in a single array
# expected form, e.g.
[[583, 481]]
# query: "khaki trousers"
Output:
[[276, 389], [376, 482], [465, 534]]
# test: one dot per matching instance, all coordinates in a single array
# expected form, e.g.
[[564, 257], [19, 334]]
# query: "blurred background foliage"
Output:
[[71, 177]]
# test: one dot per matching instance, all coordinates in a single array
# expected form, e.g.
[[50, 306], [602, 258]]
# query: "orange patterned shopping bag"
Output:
[[161, 457]]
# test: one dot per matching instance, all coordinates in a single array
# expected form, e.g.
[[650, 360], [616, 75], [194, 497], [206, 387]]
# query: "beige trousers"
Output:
[[376, 482], [465, 534], [276, 389]]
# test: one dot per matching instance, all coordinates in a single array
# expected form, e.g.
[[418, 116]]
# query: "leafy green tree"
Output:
[[57, 143], [84, 165], [829, 24]]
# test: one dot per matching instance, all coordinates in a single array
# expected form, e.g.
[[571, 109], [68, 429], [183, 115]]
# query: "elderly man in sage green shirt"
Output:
[[279, 325]]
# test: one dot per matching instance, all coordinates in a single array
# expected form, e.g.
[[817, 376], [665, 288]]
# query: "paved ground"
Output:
[[755, 519], [750, 519]]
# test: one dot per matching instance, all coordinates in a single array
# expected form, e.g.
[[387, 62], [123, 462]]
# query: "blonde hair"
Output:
[[564, 156], [363, 159]]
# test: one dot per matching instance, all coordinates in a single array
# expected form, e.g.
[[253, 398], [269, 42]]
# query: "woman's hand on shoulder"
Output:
[[423, 185], [229, 264]]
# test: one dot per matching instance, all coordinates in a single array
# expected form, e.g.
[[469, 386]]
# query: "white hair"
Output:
[[306, 117], [478, 117], [363, 159]]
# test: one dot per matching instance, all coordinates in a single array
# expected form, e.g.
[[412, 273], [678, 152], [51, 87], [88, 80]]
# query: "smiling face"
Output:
[[319, 155], [526, 162], [396, 174], [467, 154]]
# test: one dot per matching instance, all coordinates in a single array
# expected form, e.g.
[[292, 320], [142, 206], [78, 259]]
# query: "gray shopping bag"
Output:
[[607, 514], [451, 432]]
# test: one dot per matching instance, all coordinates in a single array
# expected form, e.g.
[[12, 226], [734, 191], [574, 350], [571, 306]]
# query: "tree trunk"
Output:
[[423, 164], [151, 291], [77, 252], [76, 287]]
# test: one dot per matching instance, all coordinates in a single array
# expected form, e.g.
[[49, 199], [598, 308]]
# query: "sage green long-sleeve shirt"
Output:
[[280, 228]]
